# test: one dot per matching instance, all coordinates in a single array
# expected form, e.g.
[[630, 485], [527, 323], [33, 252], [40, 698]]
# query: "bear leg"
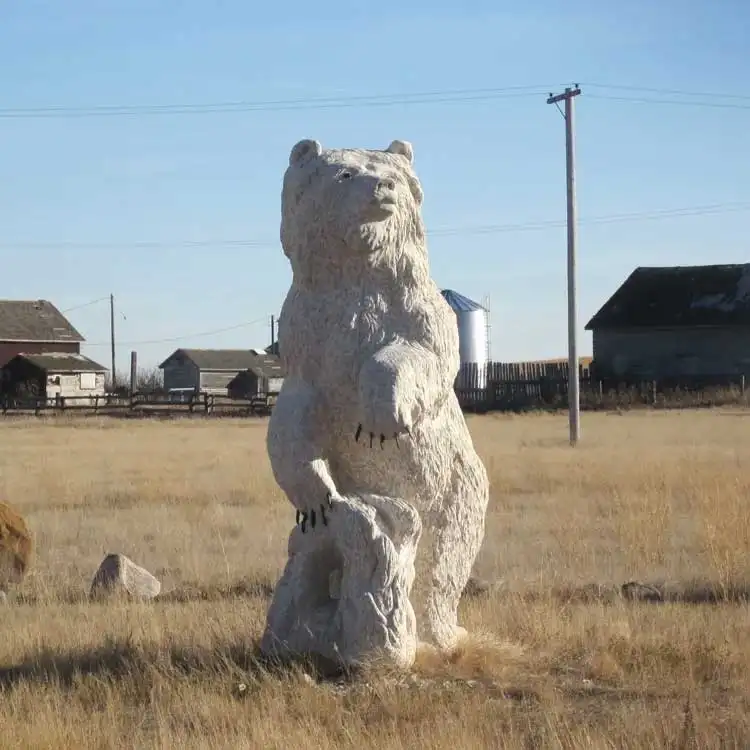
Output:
[[457, 537], [296, 447]]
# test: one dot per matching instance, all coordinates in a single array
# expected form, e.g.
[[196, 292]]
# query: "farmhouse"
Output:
[[53, 375], [675, 322], [35, 327], [237, 372]]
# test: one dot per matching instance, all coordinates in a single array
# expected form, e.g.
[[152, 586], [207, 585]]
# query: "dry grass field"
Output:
[[650, 496]]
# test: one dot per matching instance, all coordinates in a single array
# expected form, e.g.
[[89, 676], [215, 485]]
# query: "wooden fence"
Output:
[[140, 405], [498, 386], [519, 386]]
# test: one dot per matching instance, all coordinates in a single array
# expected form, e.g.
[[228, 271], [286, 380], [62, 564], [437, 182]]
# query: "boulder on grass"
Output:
[[15, 546], [118, 575]]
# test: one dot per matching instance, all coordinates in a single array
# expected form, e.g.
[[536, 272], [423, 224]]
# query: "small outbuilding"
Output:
[[212, 371], [264, 378], [677, 322], [53, 375]]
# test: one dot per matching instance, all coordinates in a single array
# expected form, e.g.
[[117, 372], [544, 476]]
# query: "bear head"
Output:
[[351, 208]]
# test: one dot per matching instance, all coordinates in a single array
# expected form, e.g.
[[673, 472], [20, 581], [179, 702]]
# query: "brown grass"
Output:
[[553, 662]]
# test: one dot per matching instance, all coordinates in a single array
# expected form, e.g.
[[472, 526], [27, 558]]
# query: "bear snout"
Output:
[[385, 191]]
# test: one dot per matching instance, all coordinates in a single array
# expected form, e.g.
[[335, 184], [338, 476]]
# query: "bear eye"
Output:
[[345, 174]]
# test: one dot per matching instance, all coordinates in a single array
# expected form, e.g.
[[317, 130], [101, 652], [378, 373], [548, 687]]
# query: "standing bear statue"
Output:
[[367, 439]]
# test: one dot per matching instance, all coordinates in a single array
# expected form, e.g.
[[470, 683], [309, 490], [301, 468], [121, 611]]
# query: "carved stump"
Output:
[[344, 593]]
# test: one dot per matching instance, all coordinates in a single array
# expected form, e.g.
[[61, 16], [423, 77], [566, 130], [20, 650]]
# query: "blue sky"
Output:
[[78, 195]]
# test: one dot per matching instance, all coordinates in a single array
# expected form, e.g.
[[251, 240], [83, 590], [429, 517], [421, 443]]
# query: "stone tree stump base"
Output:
[[344, 593]]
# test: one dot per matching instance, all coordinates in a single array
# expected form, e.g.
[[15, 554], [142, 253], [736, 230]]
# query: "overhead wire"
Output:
[[170, 339], [226, 107], [440, 96], [86, 304], [653, 214]]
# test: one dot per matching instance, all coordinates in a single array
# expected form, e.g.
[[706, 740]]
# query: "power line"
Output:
[[678, 102], [667, 213], [655, 214], [227, 107], [86, 304], [247, 324], [670, 92], [441, 96]]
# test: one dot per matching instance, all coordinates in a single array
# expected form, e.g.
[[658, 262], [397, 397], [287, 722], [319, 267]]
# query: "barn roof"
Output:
[[228, 360], [34, 320], [679, 296], [61, 362], [460, 303], [267, 366]]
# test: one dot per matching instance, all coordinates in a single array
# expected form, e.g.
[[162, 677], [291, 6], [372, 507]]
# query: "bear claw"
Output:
[[303, 516], [383, 438]]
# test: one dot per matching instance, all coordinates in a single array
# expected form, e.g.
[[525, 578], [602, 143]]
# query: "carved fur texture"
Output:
[[371, 354]]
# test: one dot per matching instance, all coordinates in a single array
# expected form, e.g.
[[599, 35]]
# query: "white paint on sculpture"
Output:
[[368, 409]]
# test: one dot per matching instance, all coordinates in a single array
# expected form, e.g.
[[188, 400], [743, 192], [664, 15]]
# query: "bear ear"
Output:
[[403, 148], [303, 151]]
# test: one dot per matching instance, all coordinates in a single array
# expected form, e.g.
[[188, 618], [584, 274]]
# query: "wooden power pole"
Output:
[[112, 336], [574, 398]]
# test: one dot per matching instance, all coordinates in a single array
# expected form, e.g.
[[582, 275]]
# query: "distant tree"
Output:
[[146, 381]]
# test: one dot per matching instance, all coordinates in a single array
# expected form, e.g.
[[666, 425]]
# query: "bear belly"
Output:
[[413, 469]]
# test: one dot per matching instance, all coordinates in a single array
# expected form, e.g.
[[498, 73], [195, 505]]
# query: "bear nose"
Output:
[[388, 183]]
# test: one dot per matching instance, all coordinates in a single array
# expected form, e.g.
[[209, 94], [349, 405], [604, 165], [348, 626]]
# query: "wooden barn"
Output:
[[675, 322], [53, 375], [213, 370], [34, 327]]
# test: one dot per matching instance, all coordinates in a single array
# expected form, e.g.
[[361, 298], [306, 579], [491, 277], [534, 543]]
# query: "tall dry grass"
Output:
[[647, 496]]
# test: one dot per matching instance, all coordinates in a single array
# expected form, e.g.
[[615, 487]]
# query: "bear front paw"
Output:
[[311, 516], [382, 438]]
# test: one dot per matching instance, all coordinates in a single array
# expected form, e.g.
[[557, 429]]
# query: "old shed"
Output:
[[53, 375], [213, 370], [35, 326], [263, 378], [675, 322]]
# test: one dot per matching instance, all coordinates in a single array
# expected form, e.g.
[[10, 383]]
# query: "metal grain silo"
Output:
[[473, 327]]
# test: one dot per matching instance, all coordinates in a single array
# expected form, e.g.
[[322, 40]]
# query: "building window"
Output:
[[88, 381]]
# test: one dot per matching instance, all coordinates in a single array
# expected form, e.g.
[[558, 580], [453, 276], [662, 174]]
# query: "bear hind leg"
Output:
[[456, 541]]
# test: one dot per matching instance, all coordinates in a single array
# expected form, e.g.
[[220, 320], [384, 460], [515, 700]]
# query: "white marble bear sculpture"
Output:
[[370, 349]]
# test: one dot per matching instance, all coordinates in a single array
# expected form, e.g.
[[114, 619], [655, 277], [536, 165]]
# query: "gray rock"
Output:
[[119, 575]]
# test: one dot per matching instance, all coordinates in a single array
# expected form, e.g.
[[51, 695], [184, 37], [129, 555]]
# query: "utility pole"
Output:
[[273, 332], [112, 336], [574, 406]]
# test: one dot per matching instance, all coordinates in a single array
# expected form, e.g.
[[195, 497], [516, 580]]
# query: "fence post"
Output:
[[742, 385], [653, 391]]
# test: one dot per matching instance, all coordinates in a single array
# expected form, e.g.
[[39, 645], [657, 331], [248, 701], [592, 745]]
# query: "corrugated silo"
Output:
[[473, 327]]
